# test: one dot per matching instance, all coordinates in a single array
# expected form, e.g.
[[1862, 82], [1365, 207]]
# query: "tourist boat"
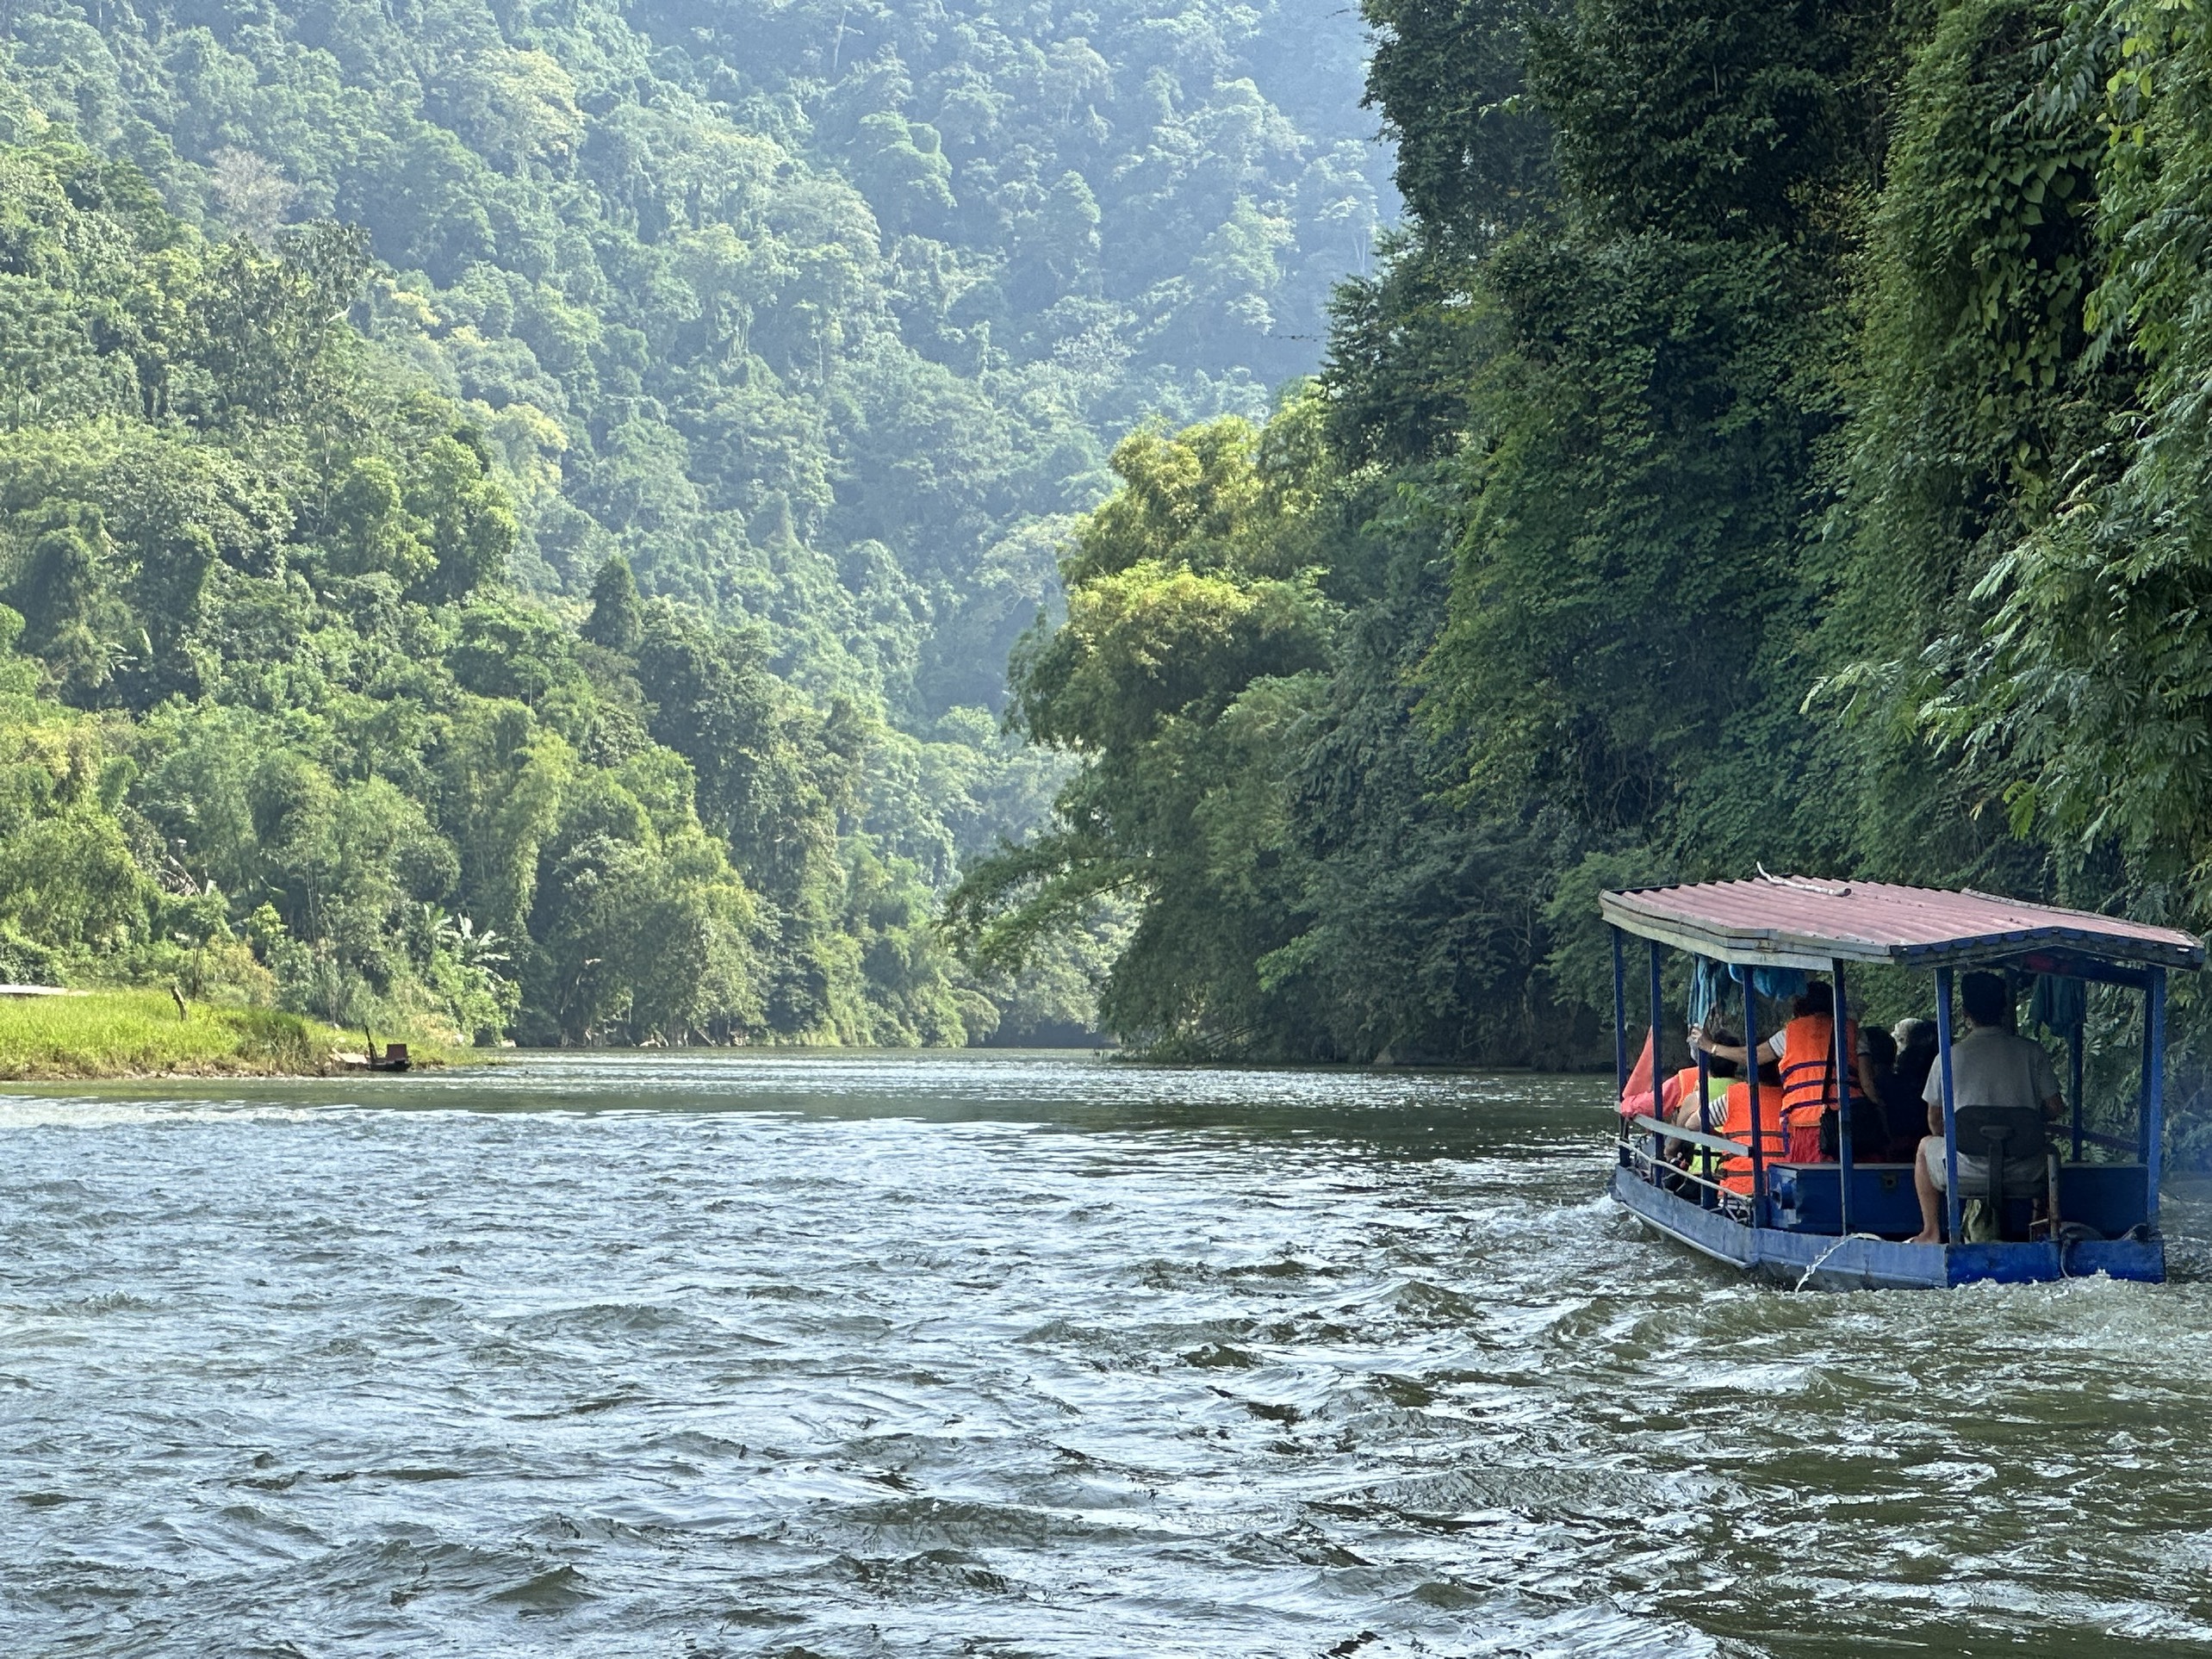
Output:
[[1846, 1225]]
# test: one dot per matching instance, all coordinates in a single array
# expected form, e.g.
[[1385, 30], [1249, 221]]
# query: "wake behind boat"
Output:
[[1736, 1173]]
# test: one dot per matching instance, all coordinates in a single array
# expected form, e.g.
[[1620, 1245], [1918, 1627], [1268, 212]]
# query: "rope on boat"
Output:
[[1821, 1260], [2073, 1233], [1807, 884], [2064, 1242]]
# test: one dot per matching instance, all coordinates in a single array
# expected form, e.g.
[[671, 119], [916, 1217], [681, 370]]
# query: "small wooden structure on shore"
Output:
[[394, 1058]]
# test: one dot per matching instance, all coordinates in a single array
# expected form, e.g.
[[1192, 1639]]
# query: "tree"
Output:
[[1188, 654], [471, 523], [617, 620]]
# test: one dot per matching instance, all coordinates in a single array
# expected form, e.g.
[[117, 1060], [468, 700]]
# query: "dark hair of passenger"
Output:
[[1986, 997], [1881, 1046], [1814, 998], [1918, 1057], [1716, 1065]]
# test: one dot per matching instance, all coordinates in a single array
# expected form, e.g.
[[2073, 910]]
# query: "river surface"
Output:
[[1023, 1355]]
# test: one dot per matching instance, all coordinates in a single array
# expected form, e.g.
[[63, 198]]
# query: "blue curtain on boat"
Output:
[[1776, 984], [2058, 1003], [1706, 982], [1710, 981]]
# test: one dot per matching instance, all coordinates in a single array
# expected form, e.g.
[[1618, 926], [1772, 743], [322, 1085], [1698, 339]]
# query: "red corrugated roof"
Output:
[[1775, 919]]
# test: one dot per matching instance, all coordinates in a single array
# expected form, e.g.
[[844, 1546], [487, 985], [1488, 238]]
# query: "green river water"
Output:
[[1011, 1354]]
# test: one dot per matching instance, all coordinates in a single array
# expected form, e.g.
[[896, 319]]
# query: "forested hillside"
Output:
[[819, 314], [1777, 436], [518, 515]]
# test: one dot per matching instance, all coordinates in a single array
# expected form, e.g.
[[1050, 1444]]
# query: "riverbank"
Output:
[[138, 1033]]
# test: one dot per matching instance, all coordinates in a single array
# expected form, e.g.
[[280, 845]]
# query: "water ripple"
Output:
[[787, 1355]]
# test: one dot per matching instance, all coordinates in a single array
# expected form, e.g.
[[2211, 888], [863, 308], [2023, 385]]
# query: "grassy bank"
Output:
[[121, 1033]]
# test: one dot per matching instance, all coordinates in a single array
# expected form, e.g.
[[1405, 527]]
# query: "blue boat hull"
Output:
[[1856, 1263]]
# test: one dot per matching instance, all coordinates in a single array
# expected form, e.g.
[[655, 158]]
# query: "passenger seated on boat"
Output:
[[1870, 1119], [1991, 1065], [1725, 1110], [1672, 1090], [1805, 1050], [1719, 1073], [1731, 1116], [1686, 1110], [1901, 1117], [1915, 1058]]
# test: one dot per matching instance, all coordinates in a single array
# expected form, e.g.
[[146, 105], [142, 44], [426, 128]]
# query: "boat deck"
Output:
[[1865, 1260]]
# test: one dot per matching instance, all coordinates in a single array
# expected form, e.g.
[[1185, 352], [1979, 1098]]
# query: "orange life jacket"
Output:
[[1682, 1086], [1673, 1091], [1809, 1067], [1733, 1117]]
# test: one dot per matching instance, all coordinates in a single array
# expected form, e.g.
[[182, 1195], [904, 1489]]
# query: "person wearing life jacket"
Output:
[[1728, 1112], [1731, 1117], [1711, 1114], [1684, 1111], [1804, 1049]]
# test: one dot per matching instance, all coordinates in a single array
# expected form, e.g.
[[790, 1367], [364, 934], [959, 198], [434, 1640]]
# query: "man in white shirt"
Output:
[[1990, 1066]]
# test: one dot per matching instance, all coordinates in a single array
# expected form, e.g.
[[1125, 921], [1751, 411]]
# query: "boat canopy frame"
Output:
[[1818, 926]]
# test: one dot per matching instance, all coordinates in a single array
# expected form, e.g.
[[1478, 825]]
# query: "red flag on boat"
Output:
[[1635, 1098]]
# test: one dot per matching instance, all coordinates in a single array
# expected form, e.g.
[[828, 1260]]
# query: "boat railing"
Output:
[[2130, 1145], [1641, 1138], [1719, 1143], [1637, 1128]]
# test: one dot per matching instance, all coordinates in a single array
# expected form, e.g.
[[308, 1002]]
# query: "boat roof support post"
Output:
[[2154, 1092], [1657, 1106], [1840, 1040], [2074, 1050], [1950, 1104], [1620, 1018], [1758, 1124]]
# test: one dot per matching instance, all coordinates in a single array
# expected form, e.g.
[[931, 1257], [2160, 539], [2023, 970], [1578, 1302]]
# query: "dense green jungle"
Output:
[[519, 515], [512, 519]]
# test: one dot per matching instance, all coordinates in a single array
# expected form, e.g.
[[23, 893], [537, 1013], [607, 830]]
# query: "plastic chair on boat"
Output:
[[2016, 1142]]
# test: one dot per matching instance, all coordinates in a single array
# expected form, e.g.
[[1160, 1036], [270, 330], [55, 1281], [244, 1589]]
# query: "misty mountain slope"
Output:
[[811, 311]]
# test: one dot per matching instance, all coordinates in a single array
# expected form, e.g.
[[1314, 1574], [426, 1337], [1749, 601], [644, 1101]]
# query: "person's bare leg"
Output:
[[1923, 1186]]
